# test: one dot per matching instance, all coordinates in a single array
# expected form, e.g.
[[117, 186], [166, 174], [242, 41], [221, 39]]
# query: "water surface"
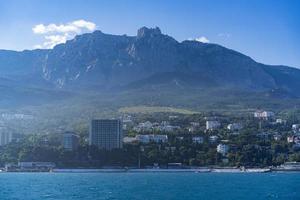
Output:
[[94, 186]]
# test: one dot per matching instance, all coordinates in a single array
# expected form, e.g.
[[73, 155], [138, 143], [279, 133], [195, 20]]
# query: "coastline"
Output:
[[202, 170], [215, 169]]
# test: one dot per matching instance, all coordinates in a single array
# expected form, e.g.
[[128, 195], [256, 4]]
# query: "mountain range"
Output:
[[150, 68]]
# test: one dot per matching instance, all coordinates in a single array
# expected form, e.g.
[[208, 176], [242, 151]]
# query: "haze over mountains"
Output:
[[150, 64]]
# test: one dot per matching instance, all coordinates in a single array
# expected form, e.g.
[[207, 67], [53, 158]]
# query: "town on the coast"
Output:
[[259, 141]]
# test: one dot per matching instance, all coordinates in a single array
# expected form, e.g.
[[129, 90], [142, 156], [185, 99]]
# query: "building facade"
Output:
[[264, 114], [5, 138], [212, 125], [70, 141], [222, 149], [152, 138], [234, 126], [106, 134]]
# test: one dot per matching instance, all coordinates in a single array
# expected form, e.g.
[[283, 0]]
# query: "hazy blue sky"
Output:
[[266, 30]]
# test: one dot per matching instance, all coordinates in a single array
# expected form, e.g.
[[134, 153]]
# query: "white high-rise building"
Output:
[[6, 136]]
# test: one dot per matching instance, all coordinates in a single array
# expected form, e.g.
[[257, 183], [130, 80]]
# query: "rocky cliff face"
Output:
[[112, 61]]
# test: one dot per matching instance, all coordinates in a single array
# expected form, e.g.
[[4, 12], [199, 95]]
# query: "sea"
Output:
[[130, 186]]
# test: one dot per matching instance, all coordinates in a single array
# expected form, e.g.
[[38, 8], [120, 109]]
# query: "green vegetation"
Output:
[[154, 109], [253, 146]]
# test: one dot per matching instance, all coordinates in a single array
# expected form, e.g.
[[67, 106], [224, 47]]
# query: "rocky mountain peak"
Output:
[[148, 32]]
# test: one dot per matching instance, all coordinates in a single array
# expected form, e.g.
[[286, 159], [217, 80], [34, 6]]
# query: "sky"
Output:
[[266, 30]]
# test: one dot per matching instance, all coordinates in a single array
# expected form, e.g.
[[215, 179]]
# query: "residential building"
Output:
[[173, 117], [277, 137], [70, 141], [212, 125], [144, 126], [191, 129], [197, 140], [222, 149], [128, 140], [290, 139], [195, 124], [152, 138], [5, 137], [295, 127], [297, 139], [280, 121], [213, 138], [234, 126], [148, 126], [264, 114], [106, 134]]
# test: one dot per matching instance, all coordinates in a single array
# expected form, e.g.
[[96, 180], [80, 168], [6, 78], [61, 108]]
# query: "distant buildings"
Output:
[[128, 140], [290, 139], [264, 114], [234, 126], [70, 141], [15, 116], [194, 126], [5, 137], [213, 138], [293, 139], [144, 126], [106, 134], [280, 121], [212, 125], [147, 139], [295, 127], [277, 137], [197, 140], [222, 149], [152, 138], [173, 117], [147, 126]]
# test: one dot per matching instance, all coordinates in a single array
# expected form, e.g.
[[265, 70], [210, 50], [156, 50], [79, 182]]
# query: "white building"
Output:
[[277, 137], [263, 114], [198, 140], [211, 125], [195, 124], [213, 138], [234, 126], [223, 149], [290, 139], [148, 126], [295, 127], [144, 126], [191, 129], [127, 140], [152, 138], [280, 121], [5, 137]]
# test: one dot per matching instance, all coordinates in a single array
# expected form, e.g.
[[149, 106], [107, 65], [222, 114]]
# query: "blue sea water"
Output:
[[130, 186]]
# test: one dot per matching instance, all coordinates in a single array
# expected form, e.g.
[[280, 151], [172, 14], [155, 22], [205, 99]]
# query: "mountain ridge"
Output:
[[103, 62]]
